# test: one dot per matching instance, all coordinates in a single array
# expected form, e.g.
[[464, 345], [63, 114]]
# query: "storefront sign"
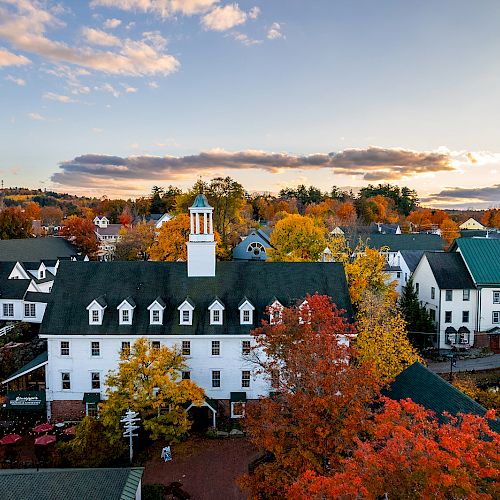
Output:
[[26, 400]]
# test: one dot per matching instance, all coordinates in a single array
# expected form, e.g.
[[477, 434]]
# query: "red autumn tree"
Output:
[[125, 218], [409, 454], [320, 399], [81, 232]]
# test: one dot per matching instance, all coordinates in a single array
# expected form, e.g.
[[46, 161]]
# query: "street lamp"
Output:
[[453, 363], [129, 425]]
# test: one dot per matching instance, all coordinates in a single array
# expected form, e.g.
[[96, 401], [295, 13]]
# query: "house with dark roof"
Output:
[[204, 307], [446, 289], [254, 246], [157, 219], [36, 249]]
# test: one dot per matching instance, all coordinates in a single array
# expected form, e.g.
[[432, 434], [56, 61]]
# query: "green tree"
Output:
[[135, 242], [148, 381]]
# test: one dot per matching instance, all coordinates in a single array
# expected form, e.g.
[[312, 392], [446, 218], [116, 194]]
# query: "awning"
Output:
[[26, 400], [91, 397], [238, 397], [38, 362]]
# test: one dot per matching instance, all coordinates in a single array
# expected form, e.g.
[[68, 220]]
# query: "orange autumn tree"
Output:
[[449, 231], [81, 232], [320, 400], [410, 454]]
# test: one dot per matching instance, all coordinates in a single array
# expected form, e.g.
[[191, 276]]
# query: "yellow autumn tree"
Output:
[[297, 238], [382, 337], [148, 381], [449, 231]]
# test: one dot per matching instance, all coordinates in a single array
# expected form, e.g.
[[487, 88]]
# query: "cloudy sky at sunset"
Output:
[[114, 96]]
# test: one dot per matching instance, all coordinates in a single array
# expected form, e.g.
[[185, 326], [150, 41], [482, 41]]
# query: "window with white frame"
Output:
[[496, 296], [215, 378], [245, 347], [155, 316], [186, 348], [186, 313], [275, 311], [95, 349], [65, 381], [126, 348], [237, 409], [186, 375], [95, 380], [8, 310], [466, 295], [216, 309], [496, 317], [447, 316], [433, 292], [92, 410], [29, 310], [246, 313], [95, 316], [449, 295], [465, 316], [215, 348], [245, 378], [64, 348], [186, 317], [256, 249], [125, 319], [155, 345]]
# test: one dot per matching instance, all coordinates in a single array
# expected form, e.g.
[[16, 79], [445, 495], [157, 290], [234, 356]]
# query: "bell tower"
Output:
[[201, 244]]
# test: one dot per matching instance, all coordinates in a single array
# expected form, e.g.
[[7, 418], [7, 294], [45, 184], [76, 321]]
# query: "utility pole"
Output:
[[129, 425]]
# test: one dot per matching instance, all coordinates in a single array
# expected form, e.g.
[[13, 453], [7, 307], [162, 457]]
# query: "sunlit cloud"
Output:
[[58, 97], [9, 59], [36, 116], [17, 81], [274, 32], [224, 18]]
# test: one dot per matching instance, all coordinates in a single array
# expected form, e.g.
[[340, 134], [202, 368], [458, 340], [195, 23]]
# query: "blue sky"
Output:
[[113, 96]]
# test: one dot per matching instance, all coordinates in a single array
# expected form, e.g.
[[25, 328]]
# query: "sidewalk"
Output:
[[465, 365]]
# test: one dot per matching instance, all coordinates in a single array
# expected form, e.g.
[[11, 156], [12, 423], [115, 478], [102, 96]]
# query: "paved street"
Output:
[[477, 364]]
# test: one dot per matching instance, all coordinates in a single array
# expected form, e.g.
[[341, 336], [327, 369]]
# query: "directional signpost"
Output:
[[129, 420]]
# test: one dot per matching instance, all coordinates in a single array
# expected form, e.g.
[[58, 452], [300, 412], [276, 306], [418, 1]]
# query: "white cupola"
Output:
[[201, 244]]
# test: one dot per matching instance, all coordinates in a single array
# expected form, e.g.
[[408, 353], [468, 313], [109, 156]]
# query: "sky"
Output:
[[111, 97]]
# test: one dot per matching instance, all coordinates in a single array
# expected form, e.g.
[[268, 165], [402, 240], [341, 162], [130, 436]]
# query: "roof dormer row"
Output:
[[156, 309]]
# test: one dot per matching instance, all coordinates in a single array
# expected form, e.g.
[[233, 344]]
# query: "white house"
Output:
[[471, 224], [206, 309], [107, 235]]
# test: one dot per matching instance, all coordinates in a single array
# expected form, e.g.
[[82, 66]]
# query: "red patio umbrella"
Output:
[[45, 440], [39, 429], [10, 439], [70, 431]]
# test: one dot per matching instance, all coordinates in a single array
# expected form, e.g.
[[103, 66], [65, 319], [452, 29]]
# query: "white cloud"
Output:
[[25, 28], [98, 37], [274, 32], [57, 97], [244, 39], [107, 87], [112, 23], [36, 116], [128, 89], [224, 18], [9, 59], [254, 12], [162, 8], [17, 81], [153, 85]]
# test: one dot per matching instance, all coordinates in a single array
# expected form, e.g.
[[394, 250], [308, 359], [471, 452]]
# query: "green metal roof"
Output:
[[238, 397], [482, 256], [201, 202], [39, 361], [64, 484], [91, 397]]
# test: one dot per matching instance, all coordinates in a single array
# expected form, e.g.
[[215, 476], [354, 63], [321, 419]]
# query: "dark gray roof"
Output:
[[11, 289], [35, 249], [66, 484], [479, 233], [432, 392], [412, 258], [34, 363], [417, 241], [145, 281], [37, 297], [110, 230], [449, 270]]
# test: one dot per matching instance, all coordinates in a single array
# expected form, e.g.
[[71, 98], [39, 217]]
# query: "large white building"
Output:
[[205, 308]]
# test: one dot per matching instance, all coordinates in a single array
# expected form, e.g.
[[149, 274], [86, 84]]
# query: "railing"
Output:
[[6, 329]]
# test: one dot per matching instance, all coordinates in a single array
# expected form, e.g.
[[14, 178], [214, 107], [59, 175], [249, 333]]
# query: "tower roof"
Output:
[[201, 202]]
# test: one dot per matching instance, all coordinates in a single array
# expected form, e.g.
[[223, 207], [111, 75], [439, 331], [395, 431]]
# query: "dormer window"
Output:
[[126, 311], [96, 310], [216, 309], [156, 311], [246, 312], [275, 312], [186, 312]]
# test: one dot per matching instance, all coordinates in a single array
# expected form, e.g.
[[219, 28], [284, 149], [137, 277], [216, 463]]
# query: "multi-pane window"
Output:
[[215, 316], [66, 380], [433, 292], [465, 316], [237, 409], [126, 348], [155, 345], [29, 310], [215, 347], [125, 315], [246, 316], [95, 349], [449, 295], [186, 317], [95, 316], [95, 380], [447, 317], [496, 317], [216, 378], [156, 316], [64, 348], [245, 378], [432, 314], [186, 348], [186, 375], [466, 295], [245, 347], [496, 297], [92, 410], [8, 310]]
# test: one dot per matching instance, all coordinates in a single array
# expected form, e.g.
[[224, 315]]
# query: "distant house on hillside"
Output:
[[471, 224], [108, 235], [157, 219], [254, 246]]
